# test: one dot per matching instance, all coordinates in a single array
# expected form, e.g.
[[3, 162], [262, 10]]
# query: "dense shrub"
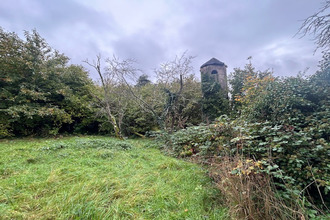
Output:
[[285, 123], [204, 140], [296, 160], [40, 92]]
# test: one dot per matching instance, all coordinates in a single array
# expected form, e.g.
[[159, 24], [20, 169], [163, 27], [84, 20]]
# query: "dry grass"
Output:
[[250, 194]]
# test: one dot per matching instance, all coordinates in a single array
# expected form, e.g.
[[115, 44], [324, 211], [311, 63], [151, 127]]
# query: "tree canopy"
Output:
[[40, 92]]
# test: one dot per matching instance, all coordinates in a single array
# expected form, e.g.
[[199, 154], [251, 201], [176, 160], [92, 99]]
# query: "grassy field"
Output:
[[101, 178]]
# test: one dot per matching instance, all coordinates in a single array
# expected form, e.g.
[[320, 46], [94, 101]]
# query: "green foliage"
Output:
[[290, 127], [204, 140], [143, 80], [241, 80], [40, 93], [301, 155], [90, 143], [284, 122], [4, 130], [297, 160], [214, 102], [289, 100], [185, 142], [137, 120], [185, 109], [169, 111]]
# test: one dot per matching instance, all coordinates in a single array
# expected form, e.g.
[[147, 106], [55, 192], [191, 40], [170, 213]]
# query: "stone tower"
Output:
[[217, 71]]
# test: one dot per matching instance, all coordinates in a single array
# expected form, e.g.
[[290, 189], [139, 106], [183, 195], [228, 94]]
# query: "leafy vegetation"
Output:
[[215, 101], [284, 124], [54, 99]]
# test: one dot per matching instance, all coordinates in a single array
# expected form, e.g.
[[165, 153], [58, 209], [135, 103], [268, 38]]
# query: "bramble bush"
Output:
[[204, 140], [297, 161], [285, 124]]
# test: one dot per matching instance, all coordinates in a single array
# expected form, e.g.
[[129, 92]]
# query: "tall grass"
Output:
[[250, 194], [100, 178]]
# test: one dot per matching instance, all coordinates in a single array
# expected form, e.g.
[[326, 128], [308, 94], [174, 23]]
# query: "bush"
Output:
[[202, 140], [297, 158], [4, 131], [283, 122], [302, 156]]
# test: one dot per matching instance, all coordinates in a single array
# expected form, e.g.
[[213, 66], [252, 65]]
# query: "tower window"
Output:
[[214, 72]]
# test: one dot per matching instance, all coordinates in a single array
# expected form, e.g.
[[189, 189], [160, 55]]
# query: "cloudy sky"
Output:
[[155, 31]]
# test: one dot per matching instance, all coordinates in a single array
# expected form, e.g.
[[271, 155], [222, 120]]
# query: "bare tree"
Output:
[[117, 81], [168, 74], [318, 24], [171, 75], [114, 100], [127, 75]]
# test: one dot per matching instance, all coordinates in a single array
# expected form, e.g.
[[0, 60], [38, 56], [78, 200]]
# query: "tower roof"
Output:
[[214, 62]]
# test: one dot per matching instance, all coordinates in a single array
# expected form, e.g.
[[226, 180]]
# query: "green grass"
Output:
[[100, 178]]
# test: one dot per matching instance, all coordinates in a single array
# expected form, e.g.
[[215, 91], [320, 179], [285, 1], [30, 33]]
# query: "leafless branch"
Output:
[[318, 25], [108, 81], [172, 75]]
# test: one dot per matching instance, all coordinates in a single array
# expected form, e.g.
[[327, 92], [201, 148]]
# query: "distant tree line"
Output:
[[42, 94]]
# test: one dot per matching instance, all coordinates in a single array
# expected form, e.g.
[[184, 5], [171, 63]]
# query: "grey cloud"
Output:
[[228, 30], [48, 15], [233, 31], [143, 47], [68, 26]]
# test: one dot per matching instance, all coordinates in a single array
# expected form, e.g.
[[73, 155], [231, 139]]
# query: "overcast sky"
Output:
[[155, 31]]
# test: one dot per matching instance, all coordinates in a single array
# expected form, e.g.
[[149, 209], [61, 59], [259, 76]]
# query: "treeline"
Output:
[[42, 94]]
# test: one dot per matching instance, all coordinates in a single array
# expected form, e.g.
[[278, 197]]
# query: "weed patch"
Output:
[[89, 143]]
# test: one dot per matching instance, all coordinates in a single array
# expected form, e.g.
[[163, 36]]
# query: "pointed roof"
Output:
[[214, 62]]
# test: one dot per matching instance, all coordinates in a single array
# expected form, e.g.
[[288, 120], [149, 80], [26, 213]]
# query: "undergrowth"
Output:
[[250, 193], [295, 165]]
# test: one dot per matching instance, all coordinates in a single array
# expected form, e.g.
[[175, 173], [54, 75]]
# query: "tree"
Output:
[[45, 102], [241, 80], [77, 87], [29, 104], [188, 111], [138, 120], [113, 100], [143, 80], [130, 106], [161, 100], [171, 76], [318, 24]]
